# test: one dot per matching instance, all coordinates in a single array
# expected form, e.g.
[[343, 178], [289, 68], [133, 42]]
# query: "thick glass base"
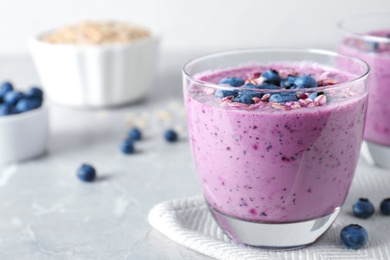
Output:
[[380, 154], [274, 235]]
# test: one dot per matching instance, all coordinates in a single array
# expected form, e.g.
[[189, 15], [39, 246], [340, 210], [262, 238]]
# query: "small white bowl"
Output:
[[23, 136], [95, 75]]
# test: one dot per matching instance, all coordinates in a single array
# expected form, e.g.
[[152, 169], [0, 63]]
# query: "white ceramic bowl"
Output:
[[95, 75], [23, 136]]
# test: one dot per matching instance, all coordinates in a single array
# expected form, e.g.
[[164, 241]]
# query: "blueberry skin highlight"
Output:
[[135, 134], [86, 173], [127, 147], [363, 208], [354, 236], [170, 135], [385, 207]]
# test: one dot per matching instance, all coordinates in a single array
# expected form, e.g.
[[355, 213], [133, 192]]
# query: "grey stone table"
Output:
[[47, 213]]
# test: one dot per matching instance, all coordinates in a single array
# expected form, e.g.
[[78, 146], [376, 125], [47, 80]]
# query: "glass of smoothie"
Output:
[[368, 37], [275, 137]]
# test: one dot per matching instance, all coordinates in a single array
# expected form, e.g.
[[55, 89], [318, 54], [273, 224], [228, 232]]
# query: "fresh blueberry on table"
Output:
[[34, 92], [385, 207], [170, 135], [86, 173], [127, 146], [288, 82], [271, 76], [282, 97], [5, 87], [135, 134], [5, 110], [363, 208], [12, 97], [232, 81], [354, 236], [305, 81]]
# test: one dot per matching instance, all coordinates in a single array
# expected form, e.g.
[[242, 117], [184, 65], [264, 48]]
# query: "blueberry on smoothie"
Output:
[[244, 98], [268, 86], [12, 97], [354, 236], [271, 76], [135, 134], [127, 146], [288, 82], [312, 96], [305, 81], [363, 208], [170, 135], [283, 97], [385, 207], [232, 81], [252, 93], [86, 173], [5, 110]]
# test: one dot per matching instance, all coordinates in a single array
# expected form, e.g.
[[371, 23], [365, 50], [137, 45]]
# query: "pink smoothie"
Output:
[[273, 165], [377, 55]]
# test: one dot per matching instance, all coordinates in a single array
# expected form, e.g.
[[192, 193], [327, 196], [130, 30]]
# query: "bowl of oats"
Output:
[[96, 63]]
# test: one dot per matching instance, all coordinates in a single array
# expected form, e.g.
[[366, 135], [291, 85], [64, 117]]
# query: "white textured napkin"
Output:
[[188, 222]]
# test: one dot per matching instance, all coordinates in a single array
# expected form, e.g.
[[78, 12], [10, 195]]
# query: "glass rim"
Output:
[[280, 50], [342, 25]]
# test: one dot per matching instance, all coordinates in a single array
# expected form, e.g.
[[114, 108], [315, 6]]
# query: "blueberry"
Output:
[[11, 97], [5, 87], [288, 82], [282, 97], [253, 93], [232, 81], [170, 135], [268, 86], [385, 206], [244, 98], [135, 134], [24, 105], [354, 236], [224, 93], [127, 146], [305, 81], [363, 208], [5, 110], [86, 173], [34, 92], [312, 96], [271, 76]]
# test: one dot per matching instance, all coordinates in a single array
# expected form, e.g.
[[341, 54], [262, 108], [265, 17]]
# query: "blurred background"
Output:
[[192, 26], [187, 28]]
